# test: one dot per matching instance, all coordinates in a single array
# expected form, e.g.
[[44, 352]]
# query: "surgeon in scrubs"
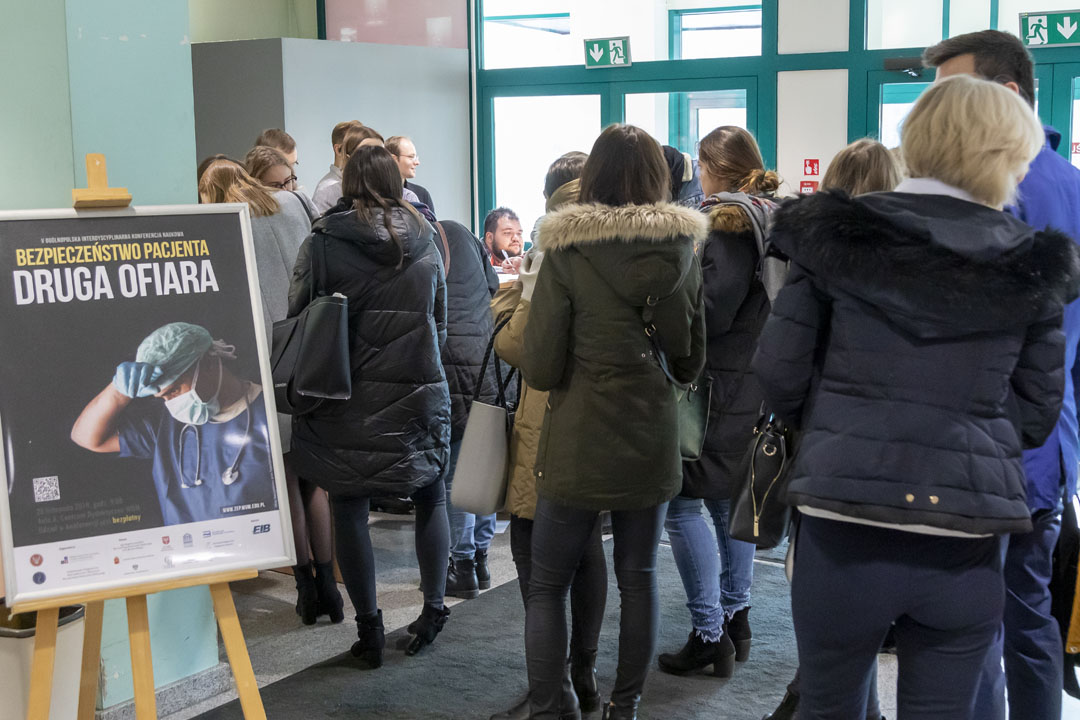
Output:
[[203, 428]]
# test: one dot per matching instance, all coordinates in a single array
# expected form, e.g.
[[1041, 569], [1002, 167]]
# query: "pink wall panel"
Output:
[[427, 23]]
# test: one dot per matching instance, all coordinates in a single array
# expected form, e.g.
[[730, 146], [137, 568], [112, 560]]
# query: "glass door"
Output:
[[530, 128], [1065, 112]]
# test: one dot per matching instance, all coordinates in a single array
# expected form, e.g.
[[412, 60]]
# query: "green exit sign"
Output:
[[607, 52], [1047, 29]]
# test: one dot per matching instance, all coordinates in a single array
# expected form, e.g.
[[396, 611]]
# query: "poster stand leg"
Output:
[[41, 670], [91, 659], [236, 649], [142, 669]]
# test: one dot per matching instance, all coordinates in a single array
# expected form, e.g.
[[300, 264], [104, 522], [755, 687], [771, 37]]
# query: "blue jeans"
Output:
[[468, 532], [717, 586], [1029, 638]]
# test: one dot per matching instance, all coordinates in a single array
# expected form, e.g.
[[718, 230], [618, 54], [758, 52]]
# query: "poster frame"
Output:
[[22, 595]]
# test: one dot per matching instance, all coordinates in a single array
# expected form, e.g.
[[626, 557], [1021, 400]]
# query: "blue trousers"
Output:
[[1029, 639], [714, 589], [946, 596], [468, 532]]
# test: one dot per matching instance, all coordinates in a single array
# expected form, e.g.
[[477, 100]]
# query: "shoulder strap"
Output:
[[317, 286], [755, 212], [446, 249]]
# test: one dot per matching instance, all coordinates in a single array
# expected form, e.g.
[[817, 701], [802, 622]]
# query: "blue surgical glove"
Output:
[[137, 379]]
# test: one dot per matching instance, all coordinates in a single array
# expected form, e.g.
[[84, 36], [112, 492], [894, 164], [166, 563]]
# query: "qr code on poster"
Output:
[[46, 489]]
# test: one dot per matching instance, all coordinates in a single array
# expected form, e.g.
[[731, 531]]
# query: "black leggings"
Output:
[[560, 538], [588, 590], [357, 560]]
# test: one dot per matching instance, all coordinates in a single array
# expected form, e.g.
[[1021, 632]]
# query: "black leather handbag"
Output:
[[759, 514], [310, 356]]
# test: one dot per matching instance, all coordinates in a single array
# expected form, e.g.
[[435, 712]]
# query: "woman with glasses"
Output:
[[270, 167]]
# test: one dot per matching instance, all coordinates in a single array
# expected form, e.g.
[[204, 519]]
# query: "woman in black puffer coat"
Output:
[[717, 584], [393, 436], [917, 347]]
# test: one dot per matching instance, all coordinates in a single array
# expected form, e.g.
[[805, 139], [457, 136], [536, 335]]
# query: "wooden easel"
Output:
[[142, 670], [100, 196]]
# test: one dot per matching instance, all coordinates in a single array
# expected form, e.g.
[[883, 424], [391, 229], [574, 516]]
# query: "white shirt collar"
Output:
[[931, 186]]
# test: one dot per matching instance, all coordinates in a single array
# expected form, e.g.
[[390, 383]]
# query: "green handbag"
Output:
[[693, 410]]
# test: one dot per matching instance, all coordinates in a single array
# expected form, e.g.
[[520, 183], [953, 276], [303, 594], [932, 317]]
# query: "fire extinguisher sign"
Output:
[[811, 167]]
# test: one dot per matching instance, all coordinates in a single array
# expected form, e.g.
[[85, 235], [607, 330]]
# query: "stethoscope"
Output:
[[231, 474]]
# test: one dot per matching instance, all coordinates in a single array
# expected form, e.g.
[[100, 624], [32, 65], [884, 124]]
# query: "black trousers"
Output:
[[588, 590], [851, 582], [559, 539]]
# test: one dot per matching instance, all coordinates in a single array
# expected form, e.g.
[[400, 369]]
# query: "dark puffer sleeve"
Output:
[[1038, 381], [784, 362]]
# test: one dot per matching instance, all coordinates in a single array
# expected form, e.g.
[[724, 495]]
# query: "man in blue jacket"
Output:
[[1049, 197]]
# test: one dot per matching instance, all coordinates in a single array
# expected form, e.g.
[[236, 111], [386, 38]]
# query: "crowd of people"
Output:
[[921, 348]]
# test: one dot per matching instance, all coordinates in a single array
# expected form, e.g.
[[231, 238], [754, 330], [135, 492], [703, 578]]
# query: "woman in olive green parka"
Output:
[[620, 259]]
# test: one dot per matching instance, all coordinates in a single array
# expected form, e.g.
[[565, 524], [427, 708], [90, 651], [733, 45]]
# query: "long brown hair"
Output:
[[864, 166], [371, 179], [625, 167], [731, 155], [226, 181]]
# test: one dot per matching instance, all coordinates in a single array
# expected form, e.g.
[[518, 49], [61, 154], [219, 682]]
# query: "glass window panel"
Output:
[[682, 119], [1009, 11], [902, 23], [897, 99], [968, 16], [539, 33], [530, 133], [731, 33]]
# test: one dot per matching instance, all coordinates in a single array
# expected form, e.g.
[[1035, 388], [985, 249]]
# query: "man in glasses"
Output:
[[404, 152]]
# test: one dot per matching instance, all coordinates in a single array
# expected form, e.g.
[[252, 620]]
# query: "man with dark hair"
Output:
[[1049, 196], [502, 235]]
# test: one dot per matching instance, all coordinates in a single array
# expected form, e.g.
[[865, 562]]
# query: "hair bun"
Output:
[[760, 181]]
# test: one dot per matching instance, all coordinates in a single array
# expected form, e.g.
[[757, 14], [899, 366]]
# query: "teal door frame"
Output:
[[865, 69]]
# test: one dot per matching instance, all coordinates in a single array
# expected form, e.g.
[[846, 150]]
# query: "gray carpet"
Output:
[[477, 665]]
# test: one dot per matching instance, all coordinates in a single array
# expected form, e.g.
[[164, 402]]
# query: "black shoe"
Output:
[[738, 627], [583, 676], [307, 597], [426, 627], [619, 713], [520, 711], [461, 579], [330, 602], [786, 709], [369, 647], [698, 654], [483, 575]]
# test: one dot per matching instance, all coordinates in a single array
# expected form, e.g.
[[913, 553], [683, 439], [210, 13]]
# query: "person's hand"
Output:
[[136, 379], [511, 264]]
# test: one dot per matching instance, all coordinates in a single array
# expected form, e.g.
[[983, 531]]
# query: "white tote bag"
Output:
[[479, 483]]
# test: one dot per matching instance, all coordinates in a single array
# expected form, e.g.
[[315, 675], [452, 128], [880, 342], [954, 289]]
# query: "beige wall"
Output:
[[213, 20]]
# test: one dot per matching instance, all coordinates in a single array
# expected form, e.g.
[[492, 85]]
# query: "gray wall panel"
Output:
[[238, 93]]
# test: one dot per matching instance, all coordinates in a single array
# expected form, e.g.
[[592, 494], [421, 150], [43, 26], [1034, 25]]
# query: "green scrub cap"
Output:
[[173, 349]]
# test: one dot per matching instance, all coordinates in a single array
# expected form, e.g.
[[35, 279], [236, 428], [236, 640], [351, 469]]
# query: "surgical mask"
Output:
[[189, 408]]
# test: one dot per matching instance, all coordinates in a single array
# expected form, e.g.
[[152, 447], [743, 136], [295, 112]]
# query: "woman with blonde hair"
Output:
[[917, 349], [717, 584], [279, 224], [862, 167]]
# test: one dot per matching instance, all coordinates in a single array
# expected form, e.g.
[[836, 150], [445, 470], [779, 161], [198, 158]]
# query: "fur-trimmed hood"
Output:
[[936, 265], [640, 250]]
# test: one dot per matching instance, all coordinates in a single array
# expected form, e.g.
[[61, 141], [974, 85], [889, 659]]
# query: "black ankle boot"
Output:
[[698, 654], [330, 602], [426, 627], [461, 579], [369, 647], [738, 627], [483, 575], [619, 713], [786, 709], [307, 597], [583, 676]]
